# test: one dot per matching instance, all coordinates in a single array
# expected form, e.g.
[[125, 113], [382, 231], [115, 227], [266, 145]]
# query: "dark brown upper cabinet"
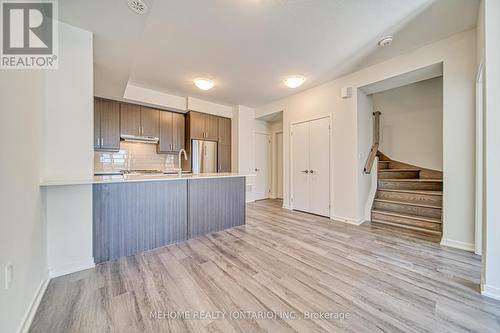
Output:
[[211, 127], [150, 122], [171, 132], [203, 126], [139, 120], [106, 125], [224, 131], [130, 122], [196, 125]]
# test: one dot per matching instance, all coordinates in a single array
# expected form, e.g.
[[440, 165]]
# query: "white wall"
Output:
[[276, 160], [457, 53], [491, 253], [243, 122], [22, 227], [365, 141], [68, 151], [412, 123], [195, 104]]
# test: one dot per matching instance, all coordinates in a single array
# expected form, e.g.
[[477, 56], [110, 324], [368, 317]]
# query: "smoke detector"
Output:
[[138, 6], [386, 41]]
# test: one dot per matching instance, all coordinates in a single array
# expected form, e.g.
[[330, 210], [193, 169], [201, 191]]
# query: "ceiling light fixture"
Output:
[[204, 84], [294, 81], [386, 41], [138, 6]]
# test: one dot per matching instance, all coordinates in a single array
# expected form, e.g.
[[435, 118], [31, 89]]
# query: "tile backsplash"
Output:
[[134, 156]]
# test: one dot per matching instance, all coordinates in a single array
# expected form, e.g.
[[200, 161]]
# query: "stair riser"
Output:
[[383, 165], [422, 199], [427, 231], [406, 209], [398, 174], [402, 221], [429, 186]]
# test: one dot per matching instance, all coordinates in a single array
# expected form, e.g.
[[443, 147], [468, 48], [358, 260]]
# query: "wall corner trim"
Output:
[[347, 220], [53, 273], [491, 292], [33, 307], [458, 245]]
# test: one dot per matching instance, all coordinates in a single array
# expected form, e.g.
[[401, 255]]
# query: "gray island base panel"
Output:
[[129, 218]]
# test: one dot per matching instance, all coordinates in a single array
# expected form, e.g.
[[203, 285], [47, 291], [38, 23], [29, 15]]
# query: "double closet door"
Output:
[[311, 166]]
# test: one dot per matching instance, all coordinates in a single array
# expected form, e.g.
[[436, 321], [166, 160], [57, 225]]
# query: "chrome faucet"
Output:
[[182, 151]]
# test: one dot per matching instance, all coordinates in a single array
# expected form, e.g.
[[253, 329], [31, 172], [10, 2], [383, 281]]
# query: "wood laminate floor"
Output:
[[282, 272]]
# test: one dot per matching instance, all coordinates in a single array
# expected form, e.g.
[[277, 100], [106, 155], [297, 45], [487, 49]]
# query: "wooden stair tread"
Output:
[[420, 180], [434, 232], [415, 191], [398, 170], [406, 203], [407, 216]]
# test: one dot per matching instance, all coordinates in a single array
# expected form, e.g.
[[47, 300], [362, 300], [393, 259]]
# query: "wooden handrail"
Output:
[[376, 140]]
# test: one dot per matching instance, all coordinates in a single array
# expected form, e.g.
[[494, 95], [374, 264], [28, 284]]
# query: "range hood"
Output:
[[138, 138]]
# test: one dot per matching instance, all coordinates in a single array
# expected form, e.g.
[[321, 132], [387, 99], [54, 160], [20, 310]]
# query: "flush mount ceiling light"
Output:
[[294, 81], [204, 84], [138, 6], [386, 41]]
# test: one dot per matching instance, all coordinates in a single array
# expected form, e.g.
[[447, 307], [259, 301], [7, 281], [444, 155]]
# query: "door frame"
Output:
[[275, 181], [269, 161], [479, 213], [330, 152]]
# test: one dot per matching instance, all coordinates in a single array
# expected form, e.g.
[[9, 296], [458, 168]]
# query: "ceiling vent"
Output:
[[138, 6]]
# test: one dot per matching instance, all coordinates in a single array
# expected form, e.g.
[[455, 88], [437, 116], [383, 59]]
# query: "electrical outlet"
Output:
[[9, 275]]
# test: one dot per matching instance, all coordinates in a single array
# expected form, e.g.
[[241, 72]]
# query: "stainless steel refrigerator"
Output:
[[204, 156]]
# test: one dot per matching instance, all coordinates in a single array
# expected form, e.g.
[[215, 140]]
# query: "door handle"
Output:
[[305, 171]]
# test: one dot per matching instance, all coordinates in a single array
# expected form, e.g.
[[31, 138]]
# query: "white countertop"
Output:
[[107, 179]]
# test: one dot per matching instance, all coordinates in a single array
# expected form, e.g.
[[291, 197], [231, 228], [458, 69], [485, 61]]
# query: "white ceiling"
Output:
[[249, 46]]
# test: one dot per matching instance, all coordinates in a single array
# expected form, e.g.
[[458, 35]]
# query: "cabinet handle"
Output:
[[311, 171], [102, 141], [98, 140]]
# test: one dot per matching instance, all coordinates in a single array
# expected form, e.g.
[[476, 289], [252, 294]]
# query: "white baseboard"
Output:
[[491, 292], [55, 272], [347, 220], [35, 302], [458, 245]]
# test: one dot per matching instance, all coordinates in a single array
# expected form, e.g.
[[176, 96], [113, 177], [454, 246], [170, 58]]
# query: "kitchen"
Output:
[[160, 177]]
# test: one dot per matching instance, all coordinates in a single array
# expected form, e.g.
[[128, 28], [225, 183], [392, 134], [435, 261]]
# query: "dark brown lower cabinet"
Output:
[[215, 204], [132, 217]]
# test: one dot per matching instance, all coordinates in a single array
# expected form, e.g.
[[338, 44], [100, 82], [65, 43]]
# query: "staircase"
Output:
[[408, 197]]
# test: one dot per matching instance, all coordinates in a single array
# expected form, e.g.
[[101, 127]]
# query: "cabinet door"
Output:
[[130, 119], [197, 125], [110, 125], [224, 155], [211, 127], [150, 122], [225, 131], [97, 123], [166, 132], [178, 131]]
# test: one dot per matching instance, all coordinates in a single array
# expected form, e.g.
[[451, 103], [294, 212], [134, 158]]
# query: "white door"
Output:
[[262, 169], [300, 166], [279, 165], [311, 166], [319, 166]]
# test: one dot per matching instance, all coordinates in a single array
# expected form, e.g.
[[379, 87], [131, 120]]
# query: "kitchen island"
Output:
[[137, 213]]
